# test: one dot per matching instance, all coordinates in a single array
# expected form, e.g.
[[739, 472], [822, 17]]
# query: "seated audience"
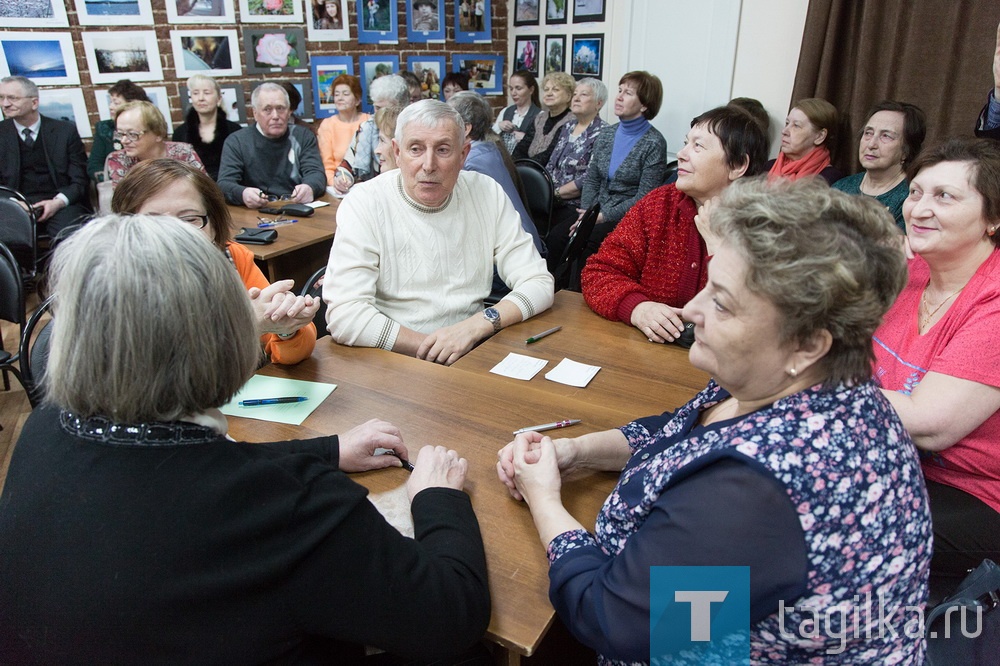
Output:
[[415, 249], [486, 157], [809, 130], [988, 124], [628, 162], [654, 262], [790, 461], [271, 159], [166, 187], [145, 535], [205, 125], [891, 138], [514, 120], [573, 149], [540, 136], [338, 133], [43, 158], [935, 355], [454, 82], [391, 90], [104, 131], [142, 132], [385, 121]]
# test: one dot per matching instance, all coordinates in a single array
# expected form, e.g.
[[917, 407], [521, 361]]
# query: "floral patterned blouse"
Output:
[[847, 470], [119, 163], [571, 156]]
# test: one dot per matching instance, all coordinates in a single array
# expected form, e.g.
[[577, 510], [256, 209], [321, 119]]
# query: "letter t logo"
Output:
[[701, 610]]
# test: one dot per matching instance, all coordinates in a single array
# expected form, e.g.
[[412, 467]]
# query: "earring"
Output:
[[793, 372], [991, 232]]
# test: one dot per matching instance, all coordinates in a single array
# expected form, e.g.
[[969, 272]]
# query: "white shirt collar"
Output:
[[34, 128]]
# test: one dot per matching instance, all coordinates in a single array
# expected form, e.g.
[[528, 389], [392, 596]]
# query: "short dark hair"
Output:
[[128, 91], [742, 137], [649, 89], [914, 125], [460, 79], [755, 109], [983, 157]]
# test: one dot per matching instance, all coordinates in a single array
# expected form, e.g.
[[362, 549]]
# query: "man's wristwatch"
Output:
[[492, 315]]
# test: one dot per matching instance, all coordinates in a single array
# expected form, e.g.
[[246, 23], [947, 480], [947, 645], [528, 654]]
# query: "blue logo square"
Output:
[[699, 615]]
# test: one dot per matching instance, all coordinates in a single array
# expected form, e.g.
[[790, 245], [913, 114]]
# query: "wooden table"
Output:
[[466, 408], [301, 248]]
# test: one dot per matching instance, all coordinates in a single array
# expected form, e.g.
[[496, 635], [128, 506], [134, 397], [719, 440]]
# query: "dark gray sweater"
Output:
[[250, 159]]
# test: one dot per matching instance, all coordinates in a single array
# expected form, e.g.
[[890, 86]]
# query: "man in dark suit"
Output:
[[43, 158]]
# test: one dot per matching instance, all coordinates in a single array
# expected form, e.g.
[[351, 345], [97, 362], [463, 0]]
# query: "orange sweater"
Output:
[[286, 352], [335, 137]]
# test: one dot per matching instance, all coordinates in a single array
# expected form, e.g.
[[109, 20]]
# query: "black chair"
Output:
[[315, 290], [34, 354], [19, 231], [11, 309], [539, 192], [671, 174], [567, 269]]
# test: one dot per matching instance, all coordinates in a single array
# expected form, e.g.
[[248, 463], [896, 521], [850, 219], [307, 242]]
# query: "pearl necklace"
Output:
[[925, 318]]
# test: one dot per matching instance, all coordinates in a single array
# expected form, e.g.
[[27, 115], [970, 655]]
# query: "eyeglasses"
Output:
[[12, 98], [196, 221], [131, 136]]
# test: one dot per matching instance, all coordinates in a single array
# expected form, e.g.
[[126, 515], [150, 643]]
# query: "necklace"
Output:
[[871, 188], [925, 317]]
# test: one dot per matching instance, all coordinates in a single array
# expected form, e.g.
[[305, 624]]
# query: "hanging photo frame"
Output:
[[119, 12], [274, 50], [271, 11], [555, 11], [485, 72], [588, 11], [431, 70], [526, 12], [36, 14], [233, 101], [324, 70], [47, 58], [327, 20], [555, 53], [200, 11], [378, 21], [66, 104], [587, 56], [527, 54], [112, 56], [372, 67], [210, 52], [473, 18], [425, 21]]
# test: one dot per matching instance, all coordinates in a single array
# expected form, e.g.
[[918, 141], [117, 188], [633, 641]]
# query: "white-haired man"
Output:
[[415, 249]]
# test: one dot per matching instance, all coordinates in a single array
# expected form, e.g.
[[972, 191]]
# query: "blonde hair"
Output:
[[150, 116]]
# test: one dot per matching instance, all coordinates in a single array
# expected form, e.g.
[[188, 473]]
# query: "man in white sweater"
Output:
[[415, 248]]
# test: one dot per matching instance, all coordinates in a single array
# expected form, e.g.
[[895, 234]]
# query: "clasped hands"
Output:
[[279, 310], [254, 197], [532, 467], [447, 345]]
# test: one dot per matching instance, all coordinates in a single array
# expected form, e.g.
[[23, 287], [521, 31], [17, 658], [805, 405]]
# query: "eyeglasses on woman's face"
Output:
[[196, 221], [130, 137]]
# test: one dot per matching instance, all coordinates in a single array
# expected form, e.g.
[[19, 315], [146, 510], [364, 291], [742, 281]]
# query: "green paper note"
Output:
[[293, 413]]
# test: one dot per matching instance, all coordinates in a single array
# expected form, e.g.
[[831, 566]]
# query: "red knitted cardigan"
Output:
[[654, 254]]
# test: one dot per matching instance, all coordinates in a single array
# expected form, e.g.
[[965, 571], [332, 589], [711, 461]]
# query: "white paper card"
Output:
[[519, 366], [572, 373]]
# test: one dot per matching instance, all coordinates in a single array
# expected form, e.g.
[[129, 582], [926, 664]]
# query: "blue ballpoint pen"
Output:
[[256, 402]]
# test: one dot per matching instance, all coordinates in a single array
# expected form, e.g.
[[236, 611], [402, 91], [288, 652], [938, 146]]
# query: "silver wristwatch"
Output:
[[492, 315]]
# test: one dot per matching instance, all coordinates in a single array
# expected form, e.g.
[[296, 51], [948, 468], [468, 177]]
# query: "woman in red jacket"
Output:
[[655, 261]]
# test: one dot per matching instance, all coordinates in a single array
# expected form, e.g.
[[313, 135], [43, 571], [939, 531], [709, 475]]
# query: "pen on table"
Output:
[[254, 402], [276, 223], [539, 336], [548, 426], [407, 465]]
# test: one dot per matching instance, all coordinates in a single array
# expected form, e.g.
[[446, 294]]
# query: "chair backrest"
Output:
[[566, 267], [539, 191], [11, 288], [671, 173], [314, 288], [18, 230], [34, 356]]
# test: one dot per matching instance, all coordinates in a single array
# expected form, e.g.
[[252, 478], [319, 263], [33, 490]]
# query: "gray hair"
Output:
[[429, 113], [392, 88], [597, 87], [268, 87], [827, 261], [151, 322], [475, 111], [30, 89], [201, 78]]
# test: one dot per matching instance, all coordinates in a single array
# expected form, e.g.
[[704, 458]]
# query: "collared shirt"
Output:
[[34, 135]]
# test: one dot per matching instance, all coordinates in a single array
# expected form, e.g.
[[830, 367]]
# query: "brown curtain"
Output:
[[937, 54]]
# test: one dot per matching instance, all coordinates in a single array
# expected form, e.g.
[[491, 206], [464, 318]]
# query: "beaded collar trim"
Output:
[[417, 206], [106, 431]]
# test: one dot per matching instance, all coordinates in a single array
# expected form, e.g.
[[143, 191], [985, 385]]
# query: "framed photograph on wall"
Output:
[[233, 101], [112, 56], [114, 12], [35, 14], [555, 53], [327, 20], [47, 58], [200, 11], [526, 12], [271, 11], [430, 70], [588, 11], [527, 54], [425, 21], [324, 70], [378, 21], [66, 104], [587, 56], [473, 18], [157, 95], [373, 67], [485, 72], [555, 11], [210, 52], [272, 50]]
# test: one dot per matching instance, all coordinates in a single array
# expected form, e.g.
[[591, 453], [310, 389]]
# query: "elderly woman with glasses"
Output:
[[142, 132], [790, 462], [168, 187]]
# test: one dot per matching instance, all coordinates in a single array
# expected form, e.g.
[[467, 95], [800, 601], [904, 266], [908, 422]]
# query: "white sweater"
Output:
[[394, 262]]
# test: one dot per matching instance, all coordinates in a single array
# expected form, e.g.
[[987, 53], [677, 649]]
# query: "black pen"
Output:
[[539, 336], [255, 402], [407, 465]]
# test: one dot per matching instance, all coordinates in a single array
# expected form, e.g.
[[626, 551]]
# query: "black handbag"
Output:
[[256, 236], [965, 627]]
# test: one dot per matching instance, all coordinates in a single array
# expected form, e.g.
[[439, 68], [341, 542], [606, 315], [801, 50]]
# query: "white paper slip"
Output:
[[519, 366], [572, 373], [318, 204]]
